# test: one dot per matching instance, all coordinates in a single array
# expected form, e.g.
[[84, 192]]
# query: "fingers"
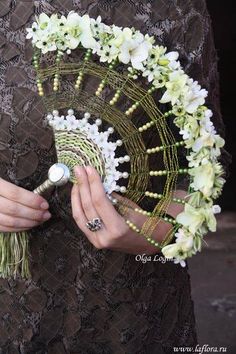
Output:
[[16, 223], [85, 194], [22, 196], [89, 201], [10, 229], [18, 210], [102, 204], [79, 216], [77, 210]]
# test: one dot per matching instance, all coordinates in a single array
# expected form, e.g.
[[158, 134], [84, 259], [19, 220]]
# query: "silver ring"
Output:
[[94, 225]]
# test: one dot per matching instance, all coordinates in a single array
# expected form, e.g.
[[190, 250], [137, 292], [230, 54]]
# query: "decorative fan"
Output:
[[109, 90]]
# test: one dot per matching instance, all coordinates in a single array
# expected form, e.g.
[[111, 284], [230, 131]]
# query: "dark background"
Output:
[[223, 16]]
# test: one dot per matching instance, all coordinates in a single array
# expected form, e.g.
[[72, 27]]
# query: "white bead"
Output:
[[123, 189], [87, 115], [70, 112], [117, 188], [49, 116], [119, 142], [55, 113], [121, 159], [126, 158], [110, 130], [125, 175], [98, 122]]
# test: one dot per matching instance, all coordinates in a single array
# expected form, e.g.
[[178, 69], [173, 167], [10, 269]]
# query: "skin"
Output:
[[90, 201], [20, 209]]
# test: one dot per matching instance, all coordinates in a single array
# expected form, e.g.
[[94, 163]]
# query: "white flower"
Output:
[[154, 73], [59, 123], [205, 140], [207, 124], [93, 132], [108, 53], [194, 96], [71, 122], [170, 251], [216, 209], [203, 178], [175, 253], [174, 87], [80, 28], [192, 218], [203, 156], [32, 32], [185, 134], [121, 35], [190, 129], [173, 57], [98, 28], [45, 22], [135, 52], [101, 139], [180, 261]]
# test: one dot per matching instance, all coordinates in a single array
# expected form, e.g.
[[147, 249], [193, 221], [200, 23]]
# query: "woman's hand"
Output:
[[90, 201], [20, 209]]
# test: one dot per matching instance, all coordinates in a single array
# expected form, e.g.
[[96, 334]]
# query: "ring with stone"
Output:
[[94, 224]]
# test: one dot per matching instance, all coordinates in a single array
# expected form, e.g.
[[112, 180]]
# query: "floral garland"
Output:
[[163, 70]]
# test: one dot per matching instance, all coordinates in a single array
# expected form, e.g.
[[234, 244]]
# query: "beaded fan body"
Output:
[[90, 125]]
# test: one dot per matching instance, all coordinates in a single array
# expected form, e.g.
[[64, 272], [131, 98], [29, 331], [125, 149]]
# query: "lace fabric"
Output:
[[81, 300]]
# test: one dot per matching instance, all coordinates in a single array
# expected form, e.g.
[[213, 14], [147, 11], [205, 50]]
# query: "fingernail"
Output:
[[46, 216], [44, 205], [89, 170]]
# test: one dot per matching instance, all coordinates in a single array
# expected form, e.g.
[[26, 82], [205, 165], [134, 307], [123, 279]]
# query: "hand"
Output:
[[20, 209], [89, 201]]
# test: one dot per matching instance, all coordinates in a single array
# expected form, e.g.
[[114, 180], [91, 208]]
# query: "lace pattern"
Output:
[[81, 300]]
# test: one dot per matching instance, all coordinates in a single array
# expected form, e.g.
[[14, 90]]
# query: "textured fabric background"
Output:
[[80, 300]]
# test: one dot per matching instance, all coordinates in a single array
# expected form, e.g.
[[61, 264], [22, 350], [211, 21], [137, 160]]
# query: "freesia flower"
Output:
[[134, 50], [194, 96], [175, 253], [170, 251], [175, 87], [79, 28], [192, 218], [203, 178]]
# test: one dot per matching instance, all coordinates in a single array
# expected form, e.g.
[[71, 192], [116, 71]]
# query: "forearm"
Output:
[[162, 230]]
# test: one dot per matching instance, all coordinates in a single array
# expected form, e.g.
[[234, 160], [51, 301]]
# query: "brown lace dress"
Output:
[[81, 300]]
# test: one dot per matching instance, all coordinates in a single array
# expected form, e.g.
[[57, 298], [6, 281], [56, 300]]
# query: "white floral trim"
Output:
[[187, 98], [100, 139]]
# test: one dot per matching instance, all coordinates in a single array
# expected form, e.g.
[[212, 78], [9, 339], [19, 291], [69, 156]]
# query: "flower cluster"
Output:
[[100, 139], [186, 97]]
